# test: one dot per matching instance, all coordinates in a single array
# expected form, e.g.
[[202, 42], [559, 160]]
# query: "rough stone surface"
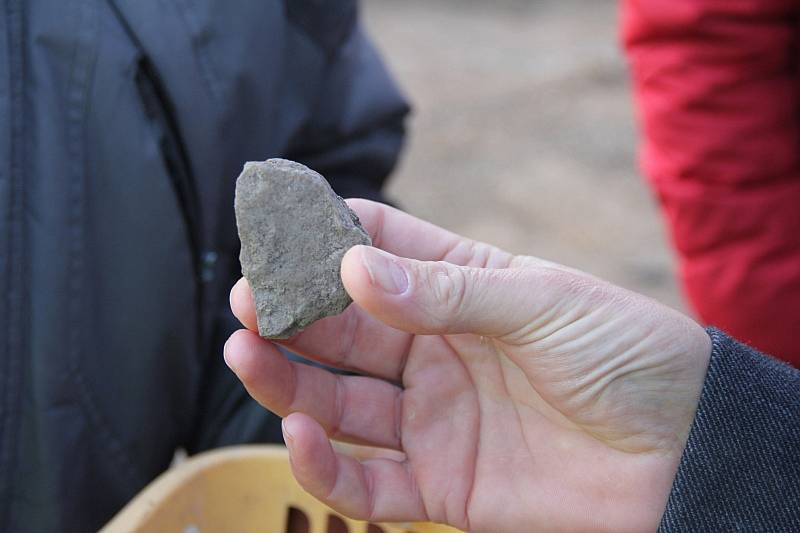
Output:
[[294, 231]]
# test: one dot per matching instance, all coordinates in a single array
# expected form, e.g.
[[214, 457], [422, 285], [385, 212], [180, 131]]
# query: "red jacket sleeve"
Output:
[[716, 86]]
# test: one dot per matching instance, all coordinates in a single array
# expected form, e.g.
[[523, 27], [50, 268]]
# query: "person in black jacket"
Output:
[[123, 126], [526, 396]]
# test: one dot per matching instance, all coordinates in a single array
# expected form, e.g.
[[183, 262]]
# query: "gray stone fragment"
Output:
[[294, 231]]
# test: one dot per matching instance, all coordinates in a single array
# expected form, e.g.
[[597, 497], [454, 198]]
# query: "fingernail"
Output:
[[384, 271], [288, 437], [225, 353]]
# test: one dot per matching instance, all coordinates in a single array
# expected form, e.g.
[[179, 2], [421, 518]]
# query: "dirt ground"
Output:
[[523, 132]]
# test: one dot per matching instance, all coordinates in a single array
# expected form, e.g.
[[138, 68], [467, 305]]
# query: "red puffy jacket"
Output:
[[717, 84]]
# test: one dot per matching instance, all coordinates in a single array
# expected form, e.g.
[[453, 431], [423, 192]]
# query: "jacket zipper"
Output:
[[159, 109]]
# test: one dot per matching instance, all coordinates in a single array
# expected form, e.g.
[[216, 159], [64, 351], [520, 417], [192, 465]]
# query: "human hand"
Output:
[[525, 395]]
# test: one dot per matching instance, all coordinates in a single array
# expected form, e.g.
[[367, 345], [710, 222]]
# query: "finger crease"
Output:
[[348, 339], [337, 471], [398, 419], [460, 288], [401, 369], [380, 221], [412, 481], [450, 254], [340, 400], [369, 483]]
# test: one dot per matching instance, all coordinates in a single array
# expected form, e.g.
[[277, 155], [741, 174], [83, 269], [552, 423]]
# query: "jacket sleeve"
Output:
[[740, 470], [356, 131], [718, 98]]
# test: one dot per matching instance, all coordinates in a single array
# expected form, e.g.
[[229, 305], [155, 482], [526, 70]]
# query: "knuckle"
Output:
[[448, 290], [576, 285]]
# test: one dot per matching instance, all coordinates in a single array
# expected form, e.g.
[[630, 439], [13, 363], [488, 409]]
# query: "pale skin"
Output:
[[523, 395]]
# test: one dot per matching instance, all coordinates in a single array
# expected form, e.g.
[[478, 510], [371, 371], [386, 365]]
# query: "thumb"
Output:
[[426, 297]]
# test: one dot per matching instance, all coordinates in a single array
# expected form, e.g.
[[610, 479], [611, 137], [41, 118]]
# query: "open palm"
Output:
[[524, 395]]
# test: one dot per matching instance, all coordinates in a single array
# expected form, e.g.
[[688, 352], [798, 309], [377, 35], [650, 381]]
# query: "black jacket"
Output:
[[741, 467], [123, 125]]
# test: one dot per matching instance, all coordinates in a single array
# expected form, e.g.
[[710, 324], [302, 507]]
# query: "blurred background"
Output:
[[523, 132]]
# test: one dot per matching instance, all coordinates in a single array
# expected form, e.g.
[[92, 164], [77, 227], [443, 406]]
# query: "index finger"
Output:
[[404, 235], [352, 340]]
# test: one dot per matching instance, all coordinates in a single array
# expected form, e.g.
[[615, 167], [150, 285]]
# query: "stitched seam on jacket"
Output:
[[330, 51], [206, 66], [14, 297], [77, 105]]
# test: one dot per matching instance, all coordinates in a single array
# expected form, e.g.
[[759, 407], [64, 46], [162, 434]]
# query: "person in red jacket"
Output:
[[717, 85]]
